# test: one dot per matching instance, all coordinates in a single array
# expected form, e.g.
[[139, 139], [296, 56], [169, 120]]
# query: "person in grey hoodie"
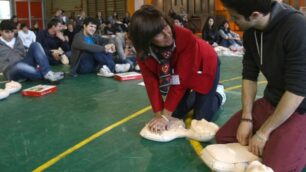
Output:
[[16, 63], [92, 53], [274, 126]]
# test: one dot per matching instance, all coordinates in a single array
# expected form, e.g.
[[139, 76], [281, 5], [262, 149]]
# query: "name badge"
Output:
[[175, 80]]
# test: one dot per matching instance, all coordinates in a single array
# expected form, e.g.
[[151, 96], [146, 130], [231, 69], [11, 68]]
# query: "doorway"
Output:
[[30, 12]]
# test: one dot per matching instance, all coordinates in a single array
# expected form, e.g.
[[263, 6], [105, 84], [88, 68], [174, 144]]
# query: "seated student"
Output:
[[91, 53], [109, 29], [118, 26], [27, 36], [69, 33], [80, 20], [16, 63], [126, 52], [35, 28], [101, 23], [229, 38], [100, 18], [52, 39], [126, 21], [209, 32]]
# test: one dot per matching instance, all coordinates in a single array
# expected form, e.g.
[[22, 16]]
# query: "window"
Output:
[[5, 12]]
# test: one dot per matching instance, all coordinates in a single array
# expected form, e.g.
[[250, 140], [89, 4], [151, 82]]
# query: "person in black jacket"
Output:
[[274, 126], [209, 32], [52, 39]]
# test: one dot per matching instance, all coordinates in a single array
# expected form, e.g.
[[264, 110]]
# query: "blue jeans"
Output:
[[91, 62], [228, 43], [27, 68], [204, 105]]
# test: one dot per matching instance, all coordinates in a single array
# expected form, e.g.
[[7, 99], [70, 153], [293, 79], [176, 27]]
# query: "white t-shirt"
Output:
[[27, 38], [10, 43]]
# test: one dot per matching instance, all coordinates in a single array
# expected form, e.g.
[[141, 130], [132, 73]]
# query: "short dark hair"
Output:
[[23, 25], [53, 22], [247, 7], [145, 24], [177, 17], [91, 20], [7, 25], [13, 17]]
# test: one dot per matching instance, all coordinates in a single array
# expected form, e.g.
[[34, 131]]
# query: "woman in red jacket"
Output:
[[174, 62]]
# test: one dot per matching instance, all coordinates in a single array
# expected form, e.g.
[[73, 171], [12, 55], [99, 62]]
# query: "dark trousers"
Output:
[[92, 62], [285, 149], [204, 105]]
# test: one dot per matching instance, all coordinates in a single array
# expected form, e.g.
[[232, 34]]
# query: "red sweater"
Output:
[[190, 56]]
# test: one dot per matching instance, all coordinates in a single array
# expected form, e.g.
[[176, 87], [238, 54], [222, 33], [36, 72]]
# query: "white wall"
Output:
[[138, 4], [5, 12]]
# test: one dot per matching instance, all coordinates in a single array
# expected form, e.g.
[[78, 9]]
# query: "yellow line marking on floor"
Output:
[[89, 139], [231, 79], [196, 144]]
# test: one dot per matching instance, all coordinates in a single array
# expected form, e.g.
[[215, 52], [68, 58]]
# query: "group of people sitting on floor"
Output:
[[221, 36], [26, 55]]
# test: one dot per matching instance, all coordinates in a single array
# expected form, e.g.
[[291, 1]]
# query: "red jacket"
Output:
[[190, 56]]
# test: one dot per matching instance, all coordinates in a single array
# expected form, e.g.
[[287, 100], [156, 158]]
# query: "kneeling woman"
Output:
[[175, 63]]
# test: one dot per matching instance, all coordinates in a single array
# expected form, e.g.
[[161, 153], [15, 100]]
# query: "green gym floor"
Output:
[[92, 124]]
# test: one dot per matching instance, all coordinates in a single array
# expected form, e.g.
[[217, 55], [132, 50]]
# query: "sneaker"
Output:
[[105, 72], [137, 68], [54, 76], [220, 90], [122, 67]]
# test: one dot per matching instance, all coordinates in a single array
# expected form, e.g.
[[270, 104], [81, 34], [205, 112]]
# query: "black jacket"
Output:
[[283, 54], [211, 36], [49, 42]]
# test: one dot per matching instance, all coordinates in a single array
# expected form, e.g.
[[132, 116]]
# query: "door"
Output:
[[29, 12]]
